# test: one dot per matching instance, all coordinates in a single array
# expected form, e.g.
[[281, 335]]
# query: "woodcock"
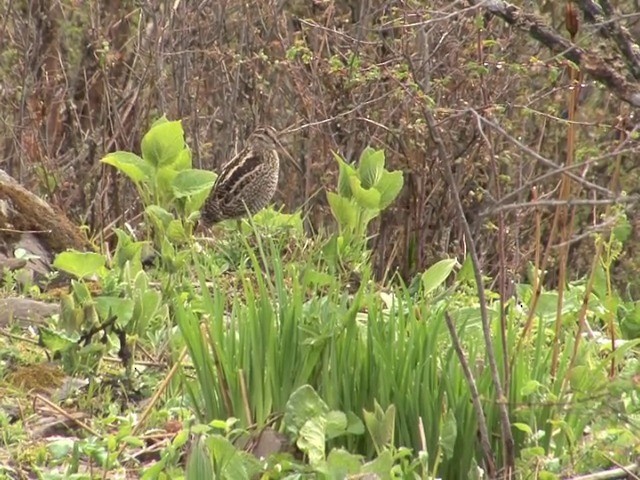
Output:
[[248, 181]]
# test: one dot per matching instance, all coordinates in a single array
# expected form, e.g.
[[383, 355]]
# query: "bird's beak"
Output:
[[290, 158]]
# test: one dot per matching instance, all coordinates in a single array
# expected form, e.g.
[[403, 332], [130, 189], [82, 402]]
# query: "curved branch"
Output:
[[606, 71], [602, 15]]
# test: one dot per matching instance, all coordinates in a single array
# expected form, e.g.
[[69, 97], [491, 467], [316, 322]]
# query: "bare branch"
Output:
[[602, 16], [606, 71]]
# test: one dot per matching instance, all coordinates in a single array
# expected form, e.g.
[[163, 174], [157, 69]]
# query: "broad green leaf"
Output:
[[341, 464], [195, 202], [165, 178], [81, 293], [176, 231], [155, 471], [199, 464], [303, 404], [630, 323], [371, 167], [381, 425], [80, 264], [545, 475], [437, 274], [336, 424], [127, 249], [530, 387], [523, 427], [180, 439], [163, 144], [184, 161], [345, 171], [330, 249], [229, 461], [342, 209], [122, 308], [355, 425], [381, 466], [312, 439], [131, 165], [366, 198], [600, 282], [160, 121], [71, 317], [389, 187], [159, 215], [61, 448], [54, 340], [448, 434], [192, 181], [146, 306], [268, 217], [466, 273], [622, 230], [315, 278]]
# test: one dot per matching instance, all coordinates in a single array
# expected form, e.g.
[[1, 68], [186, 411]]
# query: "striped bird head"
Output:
[[265, 138], [268, 138]]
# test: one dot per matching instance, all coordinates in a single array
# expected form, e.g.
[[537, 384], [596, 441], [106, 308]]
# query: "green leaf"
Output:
[[381, 425], [184, 161], [366, 198], [530, 387], [81, 293], [176, 231], [71, 318], [342, 464], [448, 434], [80, 264], [55, 341], [630, 323], [163, 144], [381, 466], [343, 210], [199, 464], [389, 187], [159, 215], [312, 439], [146, 305], [122, 308], [466, 273], [336, 424], [229, 461], [523, 427], [303, 404], [61, 448], [371, 167], [165, 178], [131, 165], [315, 278], [345, 172], [192, 181], [128, 250], [355, 425], [437, 274], [160, 121]]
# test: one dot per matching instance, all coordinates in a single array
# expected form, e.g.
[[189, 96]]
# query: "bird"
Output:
[[248, 181]]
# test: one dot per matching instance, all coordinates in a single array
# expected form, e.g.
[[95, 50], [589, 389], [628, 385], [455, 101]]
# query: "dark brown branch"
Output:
[[483, 430], [606, 71], [603, 16]]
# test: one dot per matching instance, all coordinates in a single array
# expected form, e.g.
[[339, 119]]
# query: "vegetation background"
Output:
[[83, 78], [515, 128]]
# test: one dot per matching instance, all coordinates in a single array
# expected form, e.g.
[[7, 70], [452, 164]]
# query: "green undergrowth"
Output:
[[281, 335]]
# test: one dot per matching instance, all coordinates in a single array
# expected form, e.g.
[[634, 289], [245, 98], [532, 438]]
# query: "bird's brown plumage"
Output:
[[247, 182]]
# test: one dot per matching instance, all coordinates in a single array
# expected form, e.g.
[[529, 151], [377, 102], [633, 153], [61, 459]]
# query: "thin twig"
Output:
[[475, 398], [505, 423]]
